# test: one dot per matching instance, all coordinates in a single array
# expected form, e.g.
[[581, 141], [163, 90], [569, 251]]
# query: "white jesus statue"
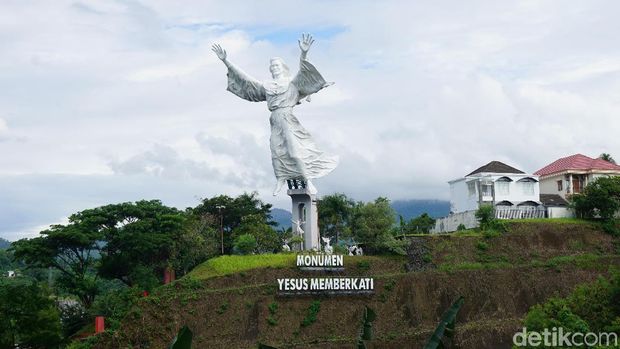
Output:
[[294, 155]]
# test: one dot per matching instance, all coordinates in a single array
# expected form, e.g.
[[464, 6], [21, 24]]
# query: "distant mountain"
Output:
[[413, 208], [282, 217], [4, 244], [406, 208]]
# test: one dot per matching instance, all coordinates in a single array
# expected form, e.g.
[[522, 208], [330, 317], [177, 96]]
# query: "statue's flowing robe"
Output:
[[294, 155]]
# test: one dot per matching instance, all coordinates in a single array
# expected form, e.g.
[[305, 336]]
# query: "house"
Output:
[[570, 175], [513, 193], [498, 184]]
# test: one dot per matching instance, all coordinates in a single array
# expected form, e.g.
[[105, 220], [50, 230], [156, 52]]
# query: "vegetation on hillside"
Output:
[[28, 316], [593, 307]]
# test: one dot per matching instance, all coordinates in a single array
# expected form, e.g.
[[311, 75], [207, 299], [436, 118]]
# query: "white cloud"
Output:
[[425, 92], [4, 129]]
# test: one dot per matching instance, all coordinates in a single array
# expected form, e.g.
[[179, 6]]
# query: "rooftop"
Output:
[[495, 167], [577, 162]]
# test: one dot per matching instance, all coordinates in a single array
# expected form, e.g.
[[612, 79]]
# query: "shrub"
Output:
[[245, 244], [273, 307], [612, 227], [363, 265], [600, 198], [311, 314], [590, 307], [485, 215], [115, 304], [427, 258], [223, 307], [482, 246], [461, 227], [272, 321]]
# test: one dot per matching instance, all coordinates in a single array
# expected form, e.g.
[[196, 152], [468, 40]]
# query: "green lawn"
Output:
[[550, 220], [226, 265]]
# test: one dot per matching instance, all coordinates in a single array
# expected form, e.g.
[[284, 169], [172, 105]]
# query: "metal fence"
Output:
[[520, 212]]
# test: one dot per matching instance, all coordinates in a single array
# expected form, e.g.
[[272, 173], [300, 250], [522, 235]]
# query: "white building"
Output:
[[570, 175], [497, 184], [513, 193]]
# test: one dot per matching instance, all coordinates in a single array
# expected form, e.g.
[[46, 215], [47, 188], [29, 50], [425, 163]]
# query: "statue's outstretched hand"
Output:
[[305, 42], [219, 51]]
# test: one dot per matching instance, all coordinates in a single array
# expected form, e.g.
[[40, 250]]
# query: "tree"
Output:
[[28, 316], [267, 240], [421, 224], [245, 243], [607, 157], [335, 215], [199, 241], [372, 227], [600, 198], [70, 249], [132, 242], [139, 237], [232, 212]]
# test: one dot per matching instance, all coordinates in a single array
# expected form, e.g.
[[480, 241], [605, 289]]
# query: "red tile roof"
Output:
[[577, 162]]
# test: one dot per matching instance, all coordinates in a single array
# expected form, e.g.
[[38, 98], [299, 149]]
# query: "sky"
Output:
[[113, 101]]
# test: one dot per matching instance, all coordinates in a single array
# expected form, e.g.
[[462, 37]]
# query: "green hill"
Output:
[[231, 302]]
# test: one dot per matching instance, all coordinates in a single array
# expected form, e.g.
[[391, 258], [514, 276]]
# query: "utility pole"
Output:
[[220, 207]]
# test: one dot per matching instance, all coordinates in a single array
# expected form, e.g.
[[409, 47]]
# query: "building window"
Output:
[[527, 185], [471, 187], [528, 188], [487, 190], [560, 182], [503, 188]]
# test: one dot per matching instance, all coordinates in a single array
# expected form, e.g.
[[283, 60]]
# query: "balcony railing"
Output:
[[520, 212]]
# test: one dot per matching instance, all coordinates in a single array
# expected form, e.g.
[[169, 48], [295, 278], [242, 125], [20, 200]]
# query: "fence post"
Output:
[[169, 275], [99, 324]]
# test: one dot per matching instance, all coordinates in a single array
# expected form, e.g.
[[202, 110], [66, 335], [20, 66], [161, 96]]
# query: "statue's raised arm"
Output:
[[294, 154], [308, 80], [240, 83]]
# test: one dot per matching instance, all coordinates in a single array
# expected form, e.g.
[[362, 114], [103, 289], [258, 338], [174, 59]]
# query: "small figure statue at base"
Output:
[[328, 249]]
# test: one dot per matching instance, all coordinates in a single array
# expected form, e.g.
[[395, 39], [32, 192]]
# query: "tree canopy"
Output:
[[600, 198], [372, 227], [335, 215], [28, 316], [69, 249], [232, 211]]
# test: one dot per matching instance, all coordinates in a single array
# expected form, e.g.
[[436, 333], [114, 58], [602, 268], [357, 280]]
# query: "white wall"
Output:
[[560, 212], [515, 190], [549, 185], [460, 200], [451, 223]]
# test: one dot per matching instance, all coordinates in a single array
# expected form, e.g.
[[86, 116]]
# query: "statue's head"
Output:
[[278, 68]]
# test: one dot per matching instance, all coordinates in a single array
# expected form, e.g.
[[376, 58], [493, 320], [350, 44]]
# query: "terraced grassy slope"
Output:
[[232, 303]]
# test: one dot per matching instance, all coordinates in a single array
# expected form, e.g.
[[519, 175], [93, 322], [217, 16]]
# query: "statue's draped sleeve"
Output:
[[244, 85], [308, 80]]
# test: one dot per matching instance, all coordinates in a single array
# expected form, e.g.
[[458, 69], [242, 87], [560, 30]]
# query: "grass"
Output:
[[582, 261], [551, 221], [227, 265]]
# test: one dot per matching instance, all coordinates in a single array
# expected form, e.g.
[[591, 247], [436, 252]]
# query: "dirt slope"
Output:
[[500, 278]]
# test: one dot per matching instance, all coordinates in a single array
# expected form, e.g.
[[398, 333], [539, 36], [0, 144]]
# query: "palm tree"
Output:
[[607, 157]]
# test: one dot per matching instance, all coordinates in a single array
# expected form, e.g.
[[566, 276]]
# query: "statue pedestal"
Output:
[[305, 214]]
